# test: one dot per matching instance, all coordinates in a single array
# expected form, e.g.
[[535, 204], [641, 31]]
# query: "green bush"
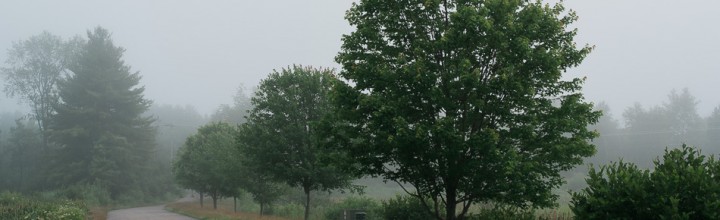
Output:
[[684, 185], [369, 206], [405, 208]]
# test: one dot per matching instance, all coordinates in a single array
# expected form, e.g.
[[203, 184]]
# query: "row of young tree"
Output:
[[88, 127], [641, 130], [462, 100], [277, 145]]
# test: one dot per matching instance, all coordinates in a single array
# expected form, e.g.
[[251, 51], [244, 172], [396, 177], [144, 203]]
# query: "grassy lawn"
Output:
[[194, 210]]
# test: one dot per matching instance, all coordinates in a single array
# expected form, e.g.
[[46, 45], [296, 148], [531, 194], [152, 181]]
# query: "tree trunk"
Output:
[[235, 203], [450, 207], [201, 199], [214, 198], [262, 205], [307, 203]]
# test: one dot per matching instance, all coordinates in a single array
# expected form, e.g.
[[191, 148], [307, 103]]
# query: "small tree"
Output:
[[684, 185], [263, 188], [207, 162], [281, 135]]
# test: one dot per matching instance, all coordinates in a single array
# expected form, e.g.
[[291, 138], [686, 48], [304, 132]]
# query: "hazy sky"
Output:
[[199, 52]]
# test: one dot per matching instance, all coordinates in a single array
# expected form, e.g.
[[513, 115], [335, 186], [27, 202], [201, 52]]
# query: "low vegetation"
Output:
[[685, 184], [333, 207], [16, 206]]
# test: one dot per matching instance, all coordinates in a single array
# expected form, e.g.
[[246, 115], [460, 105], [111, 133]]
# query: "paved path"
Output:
[[146, 213]]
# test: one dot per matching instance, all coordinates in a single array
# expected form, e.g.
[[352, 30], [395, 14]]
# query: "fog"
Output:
[[198, 53], [194, 56], [192, 52]]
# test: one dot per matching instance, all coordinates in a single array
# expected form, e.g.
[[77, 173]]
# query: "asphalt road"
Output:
[[145, 213]]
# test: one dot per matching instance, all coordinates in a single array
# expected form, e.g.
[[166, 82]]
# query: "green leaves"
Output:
[[683, 186], [208, 162], [283, 137], [463, 99]]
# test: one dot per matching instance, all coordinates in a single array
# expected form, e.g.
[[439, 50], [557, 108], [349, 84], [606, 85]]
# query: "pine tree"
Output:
[[102, 136]]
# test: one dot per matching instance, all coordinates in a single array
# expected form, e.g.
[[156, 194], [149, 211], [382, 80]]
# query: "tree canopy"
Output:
[[34, 66], [282, 134], [208, 162], [464, 100]]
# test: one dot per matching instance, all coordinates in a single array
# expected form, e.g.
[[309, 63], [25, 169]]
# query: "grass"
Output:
[[194, 210]]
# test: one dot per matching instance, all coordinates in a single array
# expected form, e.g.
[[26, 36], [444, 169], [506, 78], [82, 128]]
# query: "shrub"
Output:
[[369, 206], [684, 185], [405, 208]]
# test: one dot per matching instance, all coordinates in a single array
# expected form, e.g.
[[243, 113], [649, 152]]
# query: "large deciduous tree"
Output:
[[282, 134], [102, 136], [34, 66], [464, 99]]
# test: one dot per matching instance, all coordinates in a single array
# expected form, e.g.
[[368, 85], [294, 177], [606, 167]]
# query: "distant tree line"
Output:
[[643, 130]]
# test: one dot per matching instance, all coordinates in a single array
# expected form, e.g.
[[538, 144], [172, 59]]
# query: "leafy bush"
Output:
[[405, 208], [368, 205], [15, 206], [684, 185]]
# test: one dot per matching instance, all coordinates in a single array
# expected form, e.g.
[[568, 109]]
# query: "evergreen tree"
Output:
[[102, 137]]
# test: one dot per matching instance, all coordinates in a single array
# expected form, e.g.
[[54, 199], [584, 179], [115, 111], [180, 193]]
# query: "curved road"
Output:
[[146, 213]]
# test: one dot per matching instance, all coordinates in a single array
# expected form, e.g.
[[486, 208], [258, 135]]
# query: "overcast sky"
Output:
[[198, 52]]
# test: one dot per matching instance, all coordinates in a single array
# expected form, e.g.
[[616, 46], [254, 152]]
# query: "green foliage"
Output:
[[22, 170], [465, 100], [684, 185], [34, 67], [405, 208], [93, 195], [101, 136], [208, 162], [263, 189], [16, 206], [281, 136], [371, 207]]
